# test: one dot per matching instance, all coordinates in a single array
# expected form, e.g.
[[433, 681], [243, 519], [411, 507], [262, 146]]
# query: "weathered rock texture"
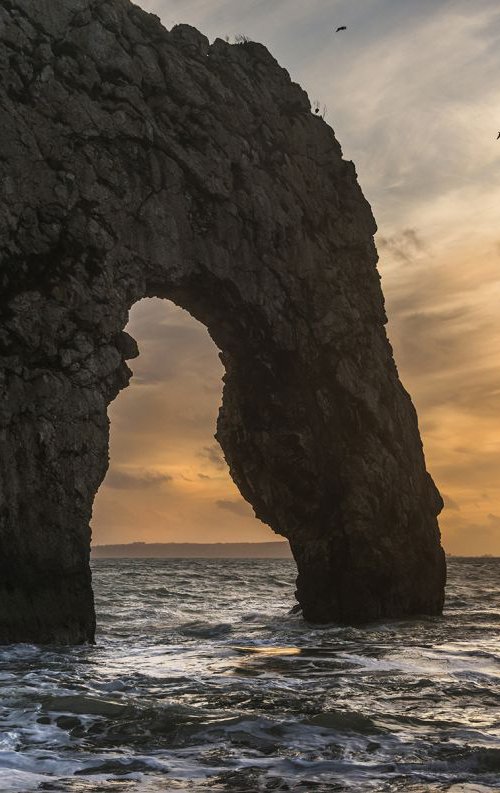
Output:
[[139, 162]]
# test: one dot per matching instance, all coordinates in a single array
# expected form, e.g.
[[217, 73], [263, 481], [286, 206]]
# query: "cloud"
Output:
[[416, 132], [404, 246], [214, 455], [173, 345], [240, 508], [476, 469], [449, 503], [140, 480], [466, 538], [444, 327]]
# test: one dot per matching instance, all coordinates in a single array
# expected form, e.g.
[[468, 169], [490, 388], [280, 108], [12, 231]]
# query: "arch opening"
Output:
[[167, 480]]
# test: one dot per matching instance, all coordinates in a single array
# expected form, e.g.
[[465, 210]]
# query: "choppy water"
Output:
[[201, 680]]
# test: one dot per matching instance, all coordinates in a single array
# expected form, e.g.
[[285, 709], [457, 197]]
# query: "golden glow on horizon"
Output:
[[168, 481]]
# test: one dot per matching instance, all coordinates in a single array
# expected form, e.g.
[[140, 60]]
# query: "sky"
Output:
[[411, 90]]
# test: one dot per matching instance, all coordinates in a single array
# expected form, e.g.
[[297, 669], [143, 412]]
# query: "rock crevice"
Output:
[[139, 162]]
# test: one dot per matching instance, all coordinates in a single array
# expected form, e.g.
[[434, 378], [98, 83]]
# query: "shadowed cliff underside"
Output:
[[137, 162]]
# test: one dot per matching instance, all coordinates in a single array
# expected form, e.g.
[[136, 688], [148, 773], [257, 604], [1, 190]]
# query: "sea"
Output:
[[202, 679]]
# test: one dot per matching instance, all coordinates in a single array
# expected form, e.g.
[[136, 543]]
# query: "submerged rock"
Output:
[[83, 705], [140, 162]]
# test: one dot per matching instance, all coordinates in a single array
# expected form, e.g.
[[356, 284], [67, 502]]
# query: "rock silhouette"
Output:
[[140, 162]]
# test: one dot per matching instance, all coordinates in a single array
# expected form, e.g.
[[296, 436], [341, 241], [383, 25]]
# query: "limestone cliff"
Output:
[[140, 162]]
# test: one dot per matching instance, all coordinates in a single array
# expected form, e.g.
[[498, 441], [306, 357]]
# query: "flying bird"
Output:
[[498, 136], [342, 27]]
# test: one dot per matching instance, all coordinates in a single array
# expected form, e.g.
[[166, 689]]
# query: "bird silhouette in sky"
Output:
[[342, 27], [498, 136]]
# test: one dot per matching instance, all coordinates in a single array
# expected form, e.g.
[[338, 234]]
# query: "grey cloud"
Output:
[[450, 503], [443, 354], [403, 246], [441, 325], [214, 456], [172, 344], [141, 480], [391, 85], [429, 341], [240, 508]]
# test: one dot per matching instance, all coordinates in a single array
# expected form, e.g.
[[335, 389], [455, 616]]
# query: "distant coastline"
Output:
[[192, 550], [209, 550]]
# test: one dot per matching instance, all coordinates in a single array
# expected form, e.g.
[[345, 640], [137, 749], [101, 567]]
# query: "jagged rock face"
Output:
[[139, 162]]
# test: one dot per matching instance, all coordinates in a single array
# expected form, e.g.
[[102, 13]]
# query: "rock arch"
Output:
[[138, 162]]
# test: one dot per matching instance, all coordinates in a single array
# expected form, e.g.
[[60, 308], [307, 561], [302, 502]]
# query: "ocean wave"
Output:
[[212, 685]]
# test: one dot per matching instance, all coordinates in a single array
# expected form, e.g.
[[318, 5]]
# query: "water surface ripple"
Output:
[[202, 680]]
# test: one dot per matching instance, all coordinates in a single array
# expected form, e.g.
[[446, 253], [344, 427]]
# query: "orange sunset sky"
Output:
[[411, 89]]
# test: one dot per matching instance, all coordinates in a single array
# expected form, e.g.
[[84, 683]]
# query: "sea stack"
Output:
[[139, 162]]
